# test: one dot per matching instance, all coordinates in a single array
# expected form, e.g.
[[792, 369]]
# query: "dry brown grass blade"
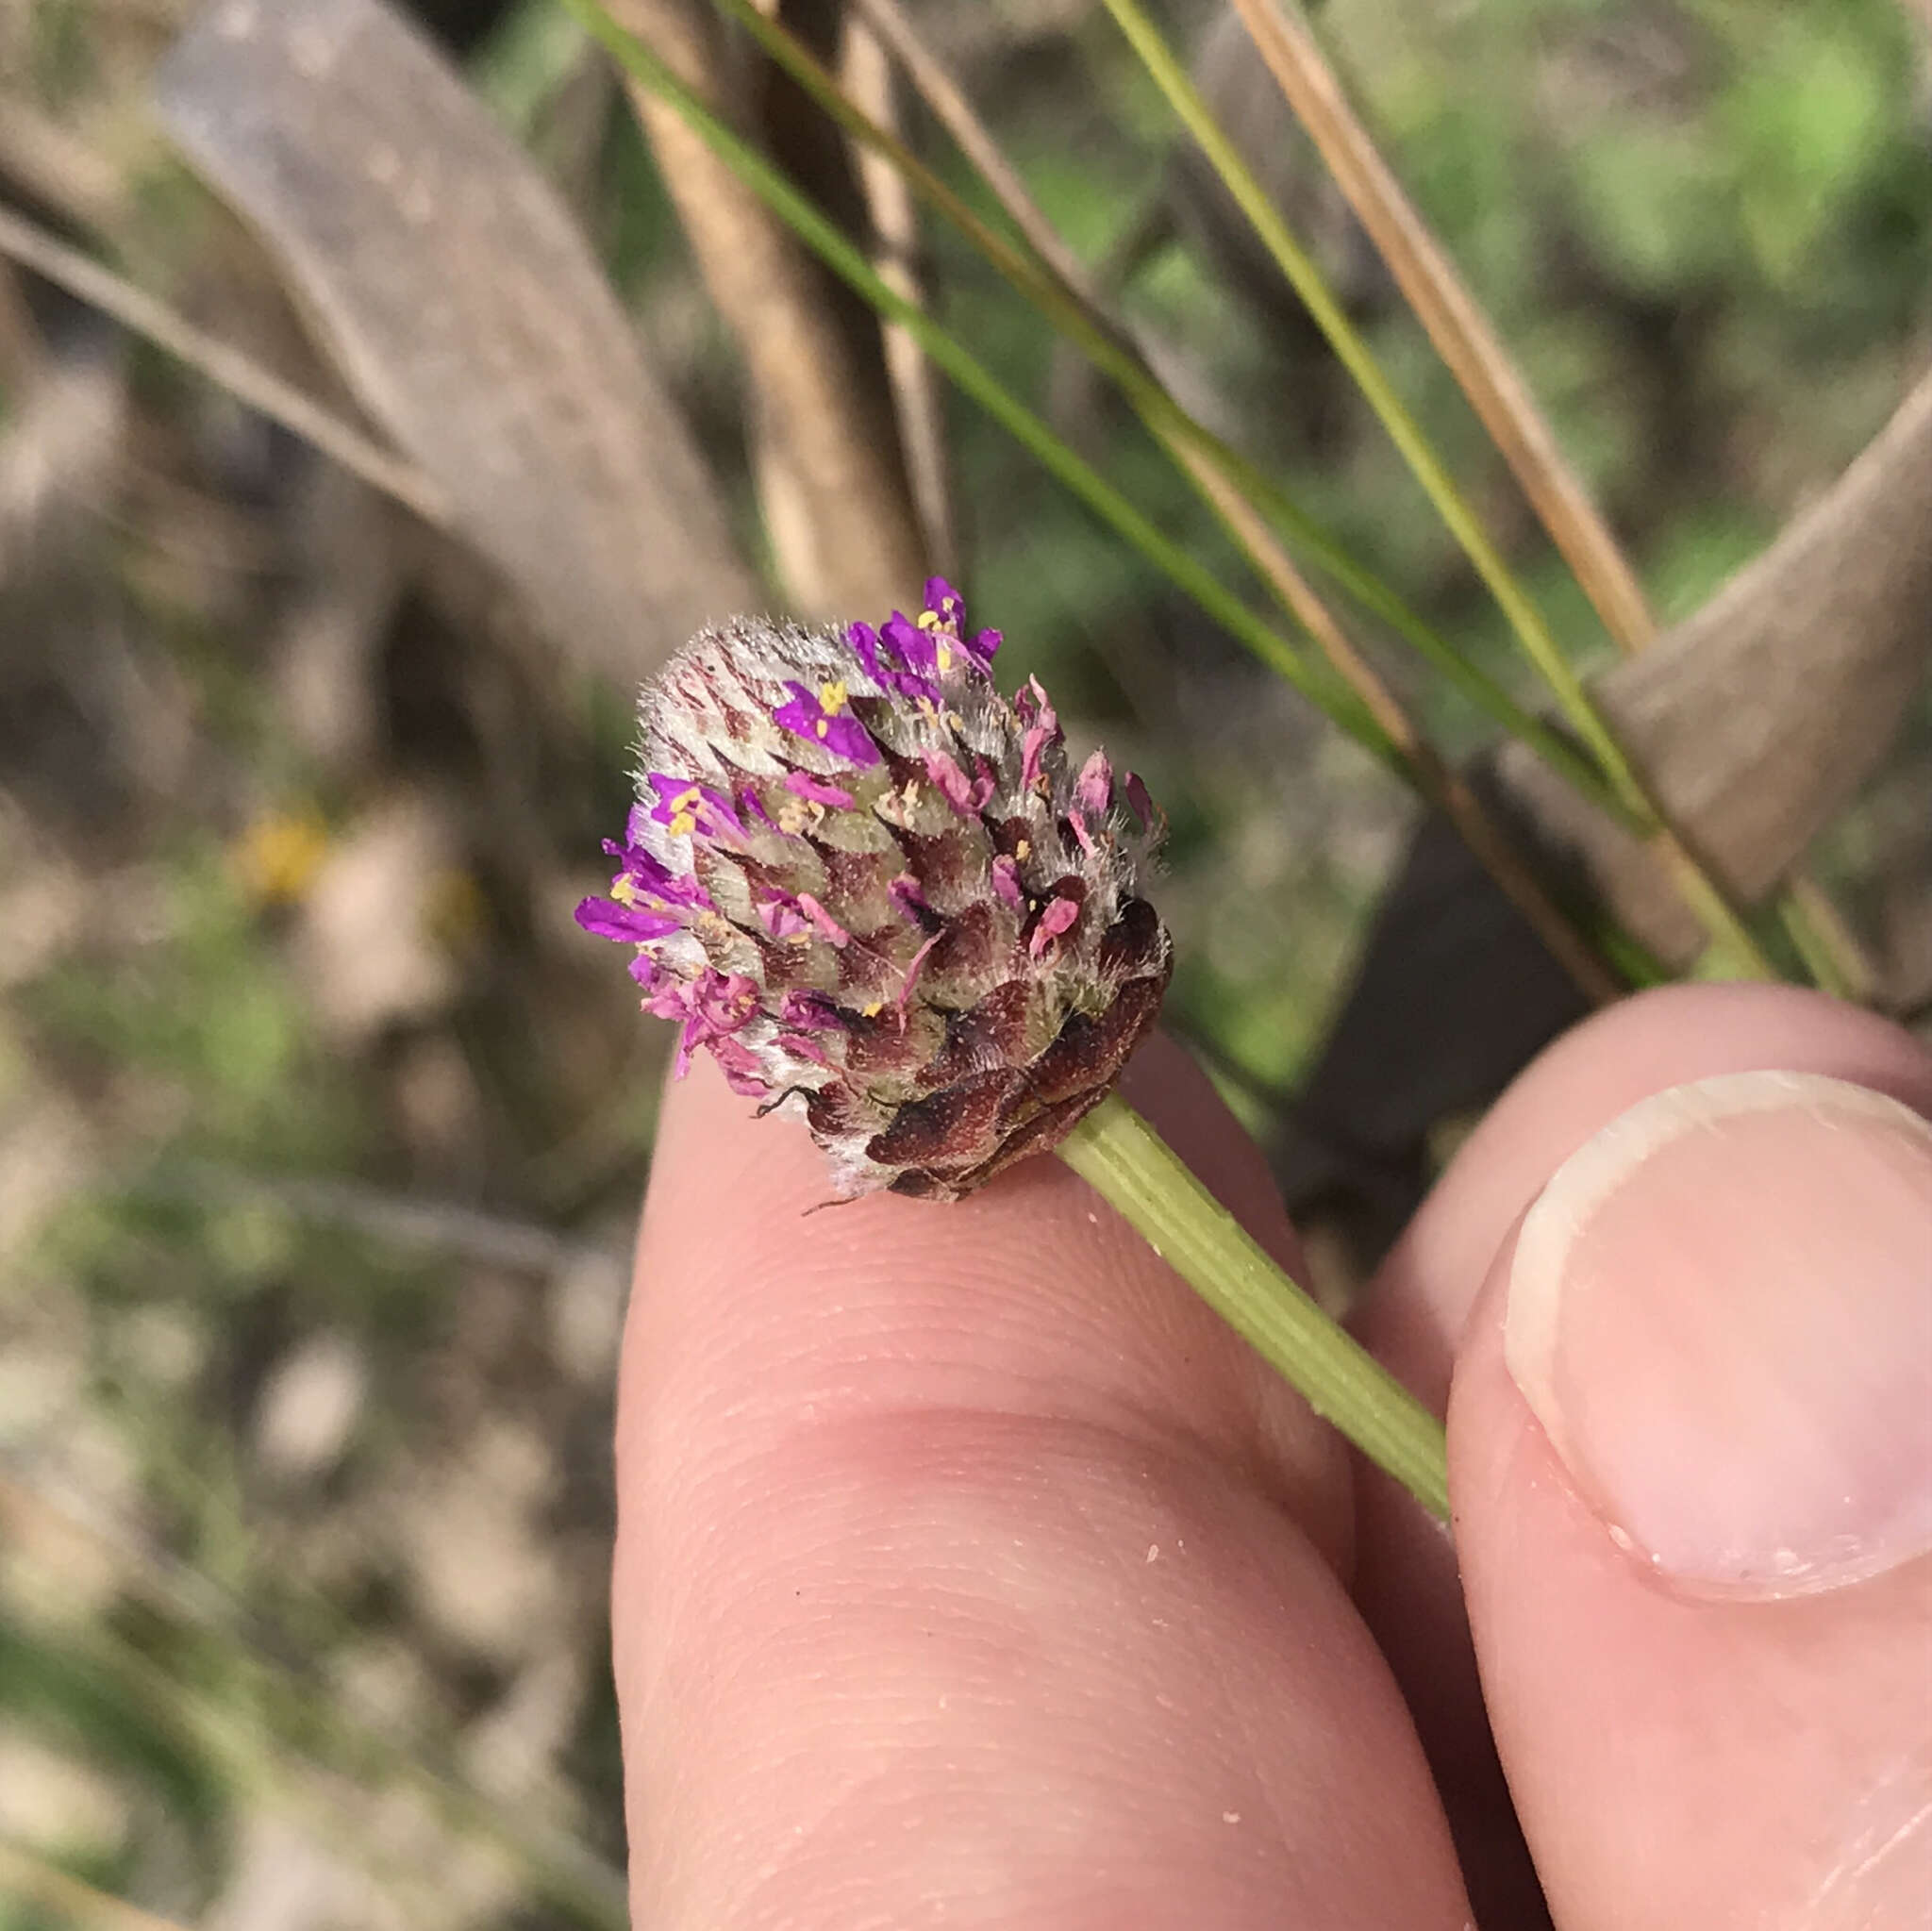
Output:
[[467, 313], [225, 366], [836, 499], [954, 112], [1456, 324], [917, 393], [1756, 718]]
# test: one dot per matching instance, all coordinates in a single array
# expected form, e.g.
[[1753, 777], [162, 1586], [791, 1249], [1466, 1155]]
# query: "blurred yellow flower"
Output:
[[278, 856]]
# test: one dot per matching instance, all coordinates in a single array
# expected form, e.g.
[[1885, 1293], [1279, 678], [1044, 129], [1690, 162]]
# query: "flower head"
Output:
[[874, 890]]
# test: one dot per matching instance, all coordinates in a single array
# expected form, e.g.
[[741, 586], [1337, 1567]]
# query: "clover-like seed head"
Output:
[[874, 890]]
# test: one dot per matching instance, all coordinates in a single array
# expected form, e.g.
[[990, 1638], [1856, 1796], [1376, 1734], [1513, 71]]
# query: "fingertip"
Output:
[[1419, 1310], [1691, 1459]]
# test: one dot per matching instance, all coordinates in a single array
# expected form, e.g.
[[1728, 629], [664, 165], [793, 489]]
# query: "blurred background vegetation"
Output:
[[322, 1128]]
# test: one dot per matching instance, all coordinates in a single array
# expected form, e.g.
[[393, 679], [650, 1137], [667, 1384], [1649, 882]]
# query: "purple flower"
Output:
[[944, 604], [915, 647], [712, 1005], [886, 667], [967, 796], [826, 719], [982, 646], [606, 919], [641, 876], [851, 949], [683, 806]]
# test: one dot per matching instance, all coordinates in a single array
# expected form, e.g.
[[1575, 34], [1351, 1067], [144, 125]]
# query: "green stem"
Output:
[[1128, 1164]]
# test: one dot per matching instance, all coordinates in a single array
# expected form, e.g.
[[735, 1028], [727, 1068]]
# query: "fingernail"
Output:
[[1721, 1312]]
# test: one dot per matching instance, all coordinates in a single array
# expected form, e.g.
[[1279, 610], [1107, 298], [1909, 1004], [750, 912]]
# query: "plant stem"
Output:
[[1128, 1164]]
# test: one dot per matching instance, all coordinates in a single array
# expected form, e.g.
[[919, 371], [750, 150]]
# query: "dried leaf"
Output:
[[1758, 718], [466, 313]]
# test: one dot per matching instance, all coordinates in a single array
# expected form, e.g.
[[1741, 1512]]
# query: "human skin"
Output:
[[970, 1572]]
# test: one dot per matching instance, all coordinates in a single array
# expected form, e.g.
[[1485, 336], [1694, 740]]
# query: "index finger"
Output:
[[967, 1563]]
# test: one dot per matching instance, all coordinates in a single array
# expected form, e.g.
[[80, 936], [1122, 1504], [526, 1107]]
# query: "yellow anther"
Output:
[[833, 698], [623, 888], [684, 812], [945, 656], [930, 620], [873, 1009], [1024, 849], [822, 726]]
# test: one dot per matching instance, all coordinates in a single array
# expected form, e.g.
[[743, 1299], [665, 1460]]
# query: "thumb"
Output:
[[1690, 1453]]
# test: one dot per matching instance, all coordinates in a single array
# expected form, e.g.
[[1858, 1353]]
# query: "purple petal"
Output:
[[913, 973], [1145, 809], [802, 713], [907, 899], [864, 641], [882, 667], [1093, 788], [944, 601], [847, 738], [803, 1046], [628, 925], [743, 1072], [782, 919], [967, 796], [1055, 920], [837, 731], [816, 790], [915, 648], [655, 880], [811, 1011], [1005, 882], [830, 927]]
